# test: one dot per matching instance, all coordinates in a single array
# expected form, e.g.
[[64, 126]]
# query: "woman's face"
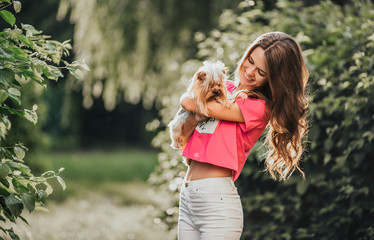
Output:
[[253, 70]]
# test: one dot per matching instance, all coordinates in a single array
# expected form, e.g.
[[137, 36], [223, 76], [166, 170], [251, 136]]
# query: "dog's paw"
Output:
[[179, 143]]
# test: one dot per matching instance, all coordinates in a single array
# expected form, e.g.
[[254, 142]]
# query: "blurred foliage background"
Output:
[[142, 54]]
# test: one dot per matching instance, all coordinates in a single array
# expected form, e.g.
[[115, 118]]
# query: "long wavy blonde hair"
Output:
[[285, 94]]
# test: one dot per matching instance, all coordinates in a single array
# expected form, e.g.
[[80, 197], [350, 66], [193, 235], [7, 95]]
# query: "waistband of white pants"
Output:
[[210, 182]]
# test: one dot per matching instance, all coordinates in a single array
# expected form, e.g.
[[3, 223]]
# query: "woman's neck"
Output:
[[240, 88]]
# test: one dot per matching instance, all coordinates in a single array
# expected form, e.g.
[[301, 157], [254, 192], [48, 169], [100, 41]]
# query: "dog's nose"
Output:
[[215, 92]]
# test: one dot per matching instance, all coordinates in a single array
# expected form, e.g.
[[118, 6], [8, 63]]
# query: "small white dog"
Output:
[[208, 84]]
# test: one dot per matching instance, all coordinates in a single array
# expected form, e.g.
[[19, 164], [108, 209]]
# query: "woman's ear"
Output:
[[201, 76]]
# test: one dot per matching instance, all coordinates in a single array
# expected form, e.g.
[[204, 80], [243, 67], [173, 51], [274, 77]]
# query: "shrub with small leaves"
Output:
[[25, 56]]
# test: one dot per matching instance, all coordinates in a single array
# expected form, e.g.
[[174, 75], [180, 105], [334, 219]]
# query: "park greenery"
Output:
[[26, 57], [336, 199], [148, 50], [137, 52]]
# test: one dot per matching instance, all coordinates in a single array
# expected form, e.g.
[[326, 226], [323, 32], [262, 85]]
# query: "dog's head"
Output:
[[209, 83]]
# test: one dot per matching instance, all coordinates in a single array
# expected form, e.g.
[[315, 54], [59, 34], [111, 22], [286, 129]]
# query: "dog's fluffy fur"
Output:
[[208, 84]]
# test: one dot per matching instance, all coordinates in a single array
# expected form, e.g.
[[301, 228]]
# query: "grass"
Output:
[[100, 171], [96, 166]]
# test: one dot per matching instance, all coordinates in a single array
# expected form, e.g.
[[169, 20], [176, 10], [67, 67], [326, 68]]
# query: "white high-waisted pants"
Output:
[[210, 209]]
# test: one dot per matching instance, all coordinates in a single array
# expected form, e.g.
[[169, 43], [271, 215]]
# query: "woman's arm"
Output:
[[215, 110], [187, 130], [189, 126]]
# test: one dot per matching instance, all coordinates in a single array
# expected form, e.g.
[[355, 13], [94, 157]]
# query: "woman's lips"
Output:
[[247, 77]]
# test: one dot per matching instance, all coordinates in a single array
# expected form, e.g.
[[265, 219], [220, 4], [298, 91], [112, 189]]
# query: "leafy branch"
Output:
[[25, 56]]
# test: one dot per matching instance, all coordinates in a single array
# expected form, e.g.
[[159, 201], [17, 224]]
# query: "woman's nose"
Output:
[[250, 71]]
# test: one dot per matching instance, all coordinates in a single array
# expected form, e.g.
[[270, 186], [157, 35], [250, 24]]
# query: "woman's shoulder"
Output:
[[261, 103], [254, 105]]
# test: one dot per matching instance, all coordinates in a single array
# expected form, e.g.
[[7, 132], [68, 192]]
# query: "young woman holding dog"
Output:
[[273, 75]]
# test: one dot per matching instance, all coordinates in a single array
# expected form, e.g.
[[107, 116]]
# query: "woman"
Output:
[[273, 75]]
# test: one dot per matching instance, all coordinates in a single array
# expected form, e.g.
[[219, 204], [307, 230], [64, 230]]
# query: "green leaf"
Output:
[[8, 17], [19, 186], [5, 182], [20, 78], [41, 209], [36, 77], [4, 170], [20, 153], [13, 111], [14, 92], [40, 194], [52, 72], [15, 33], [23, 219], [30, 115], [3, 95], [14, 205], [30, 188], [13, 235], [301, 187], [26, 170], [41, 186], [76, 64], [4, 191], [7, 123], [326, 158], [19, 53], [13, 165], [7, 1], [17, 6], [5, 54], [78, 74], [48, 174], [30, 30], [62, 182], [26, 41], [6, 76], [49, 189], [15, 98], [29, 201], [85, 67]]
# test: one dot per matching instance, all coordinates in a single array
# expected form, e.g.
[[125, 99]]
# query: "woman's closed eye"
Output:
[[262, 74]]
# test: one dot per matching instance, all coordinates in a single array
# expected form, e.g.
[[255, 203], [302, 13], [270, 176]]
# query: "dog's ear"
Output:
[[225, 71], [201, 76]]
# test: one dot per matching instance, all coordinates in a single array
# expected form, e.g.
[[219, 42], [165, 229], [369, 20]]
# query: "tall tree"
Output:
[[136, 48]]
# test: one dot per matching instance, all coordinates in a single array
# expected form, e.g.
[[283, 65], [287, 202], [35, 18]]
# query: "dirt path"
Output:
[[127, 213]]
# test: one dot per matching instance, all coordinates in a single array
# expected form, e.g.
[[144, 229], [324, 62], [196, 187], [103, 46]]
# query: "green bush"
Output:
[[336, 200], [26, 58]]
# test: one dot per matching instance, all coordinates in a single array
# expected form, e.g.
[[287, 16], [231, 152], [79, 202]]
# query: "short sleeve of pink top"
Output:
[[227, 144]]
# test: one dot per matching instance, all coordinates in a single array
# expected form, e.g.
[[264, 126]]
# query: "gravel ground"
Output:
[[127, 214]]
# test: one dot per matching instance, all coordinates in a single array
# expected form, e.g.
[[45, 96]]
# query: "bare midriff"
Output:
[[200, 170]]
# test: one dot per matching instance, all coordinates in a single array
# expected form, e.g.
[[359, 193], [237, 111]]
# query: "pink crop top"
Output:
[[227, 144]]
